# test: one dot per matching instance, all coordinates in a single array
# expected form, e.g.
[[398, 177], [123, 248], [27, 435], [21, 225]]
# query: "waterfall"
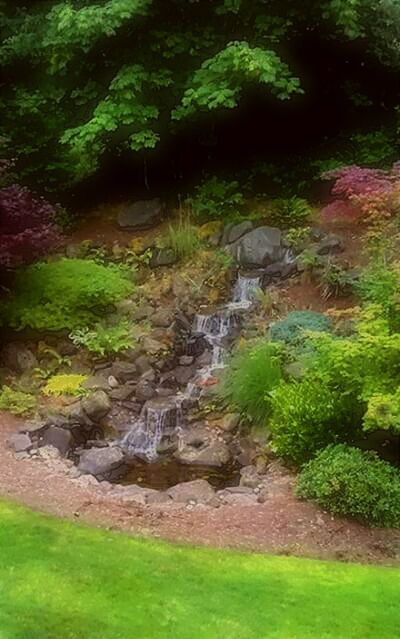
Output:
[[158, 419], [161, 419], [244, 292]]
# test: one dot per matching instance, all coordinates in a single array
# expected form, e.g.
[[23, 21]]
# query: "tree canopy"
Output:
[[81, 79]]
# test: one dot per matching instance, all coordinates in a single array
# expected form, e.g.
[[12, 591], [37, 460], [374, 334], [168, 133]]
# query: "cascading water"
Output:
[[159, 420]]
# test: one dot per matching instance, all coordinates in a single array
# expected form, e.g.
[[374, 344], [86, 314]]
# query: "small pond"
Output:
[[164, 473]]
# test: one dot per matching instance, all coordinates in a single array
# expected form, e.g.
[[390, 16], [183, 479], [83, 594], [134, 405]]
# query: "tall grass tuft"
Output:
[[183, 238], [253, 373]]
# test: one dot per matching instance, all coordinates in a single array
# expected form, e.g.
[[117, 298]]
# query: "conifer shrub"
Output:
[[290, 212], [348, 481], [291, 329], [64, 294], [253, 373]]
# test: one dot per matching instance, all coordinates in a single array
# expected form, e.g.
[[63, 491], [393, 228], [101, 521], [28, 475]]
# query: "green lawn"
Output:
[[64, 581]]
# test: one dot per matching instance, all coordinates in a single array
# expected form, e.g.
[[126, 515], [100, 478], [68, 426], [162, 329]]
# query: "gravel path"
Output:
[[281, 525]]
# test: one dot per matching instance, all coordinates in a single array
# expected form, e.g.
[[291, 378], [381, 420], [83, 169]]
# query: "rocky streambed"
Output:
[[141, 432]]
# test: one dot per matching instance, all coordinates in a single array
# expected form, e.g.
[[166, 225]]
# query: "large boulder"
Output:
[[103, 463], [140, 215], [20, 442], [198, 491], [59, 438], [259, 248], [233, 232], [18, 357], [198, 447], [96, 405]]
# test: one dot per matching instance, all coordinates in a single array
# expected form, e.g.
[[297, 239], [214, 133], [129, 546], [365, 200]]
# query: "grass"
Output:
[[64, 581], [183, 239]]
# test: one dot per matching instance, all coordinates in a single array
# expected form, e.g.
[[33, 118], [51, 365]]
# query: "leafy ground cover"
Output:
[[71, 582]]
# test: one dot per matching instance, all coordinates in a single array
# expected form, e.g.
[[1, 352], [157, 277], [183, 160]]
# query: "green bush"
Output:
[[291, 329], [217, 200], [66, 294], [380, 284], [307, 416], [253, 373], [348, 481], [183, 239], [102, 339], [290, 212], [16, 402]]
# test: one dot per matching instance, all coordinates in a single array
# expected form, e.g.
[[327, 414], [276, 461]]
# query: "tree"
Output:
[[83, 79]]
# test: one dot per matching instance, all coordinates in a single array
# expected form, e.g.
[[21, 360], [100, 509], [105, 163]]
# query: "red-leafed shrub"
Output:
[[27, 227], [363, 192]]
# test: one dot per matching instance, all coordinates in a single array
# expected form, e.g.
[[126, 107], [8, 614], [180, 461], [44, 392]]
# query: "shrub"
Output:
[[251, 376], [65, 294], [380, 284], [347, 481], [290, 212], [27, 226], [217, 199], [183, 239], [16, 402], [291, 329], [104, 340], [65, 385], [336, 280], [307, 416], [363, 192]]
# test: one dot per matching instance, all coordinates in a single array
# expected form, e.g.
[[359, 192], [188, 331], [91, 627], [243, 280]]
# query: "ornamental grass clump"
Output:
[[252, 374]]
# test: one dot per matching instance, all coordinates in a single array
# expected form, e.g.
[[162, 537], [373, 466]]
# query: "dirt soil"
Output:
[[282, 525]]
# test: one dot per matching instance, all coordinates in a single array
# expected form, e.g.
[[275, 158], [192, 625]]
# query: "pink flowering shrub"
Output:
[[27, 228], [363, 193]]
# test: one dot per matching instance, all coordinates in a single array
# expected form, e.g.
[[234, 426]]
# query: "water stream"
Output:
[[161, 419]]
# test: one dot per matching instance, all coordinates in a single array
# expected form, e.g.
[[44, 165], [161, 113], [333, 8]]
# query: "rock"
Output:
[[143, 364], [141, 215], [158, 498], [198, 491], [237, 498], [124, 371], [330, 244], [145, 390], [163, 257], [259, 248], [142, 313], [18, 357], [233, 232], [197, 447], [103, 463], [162, 318], [282, 270], [152, 346], [133, 494], [59, 438], [186, 360], [97, 405], [183, 374], [122, 393], [19, 443], [49, 453], [230, 422], [249, 477], [96, 382], [112, 382]]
